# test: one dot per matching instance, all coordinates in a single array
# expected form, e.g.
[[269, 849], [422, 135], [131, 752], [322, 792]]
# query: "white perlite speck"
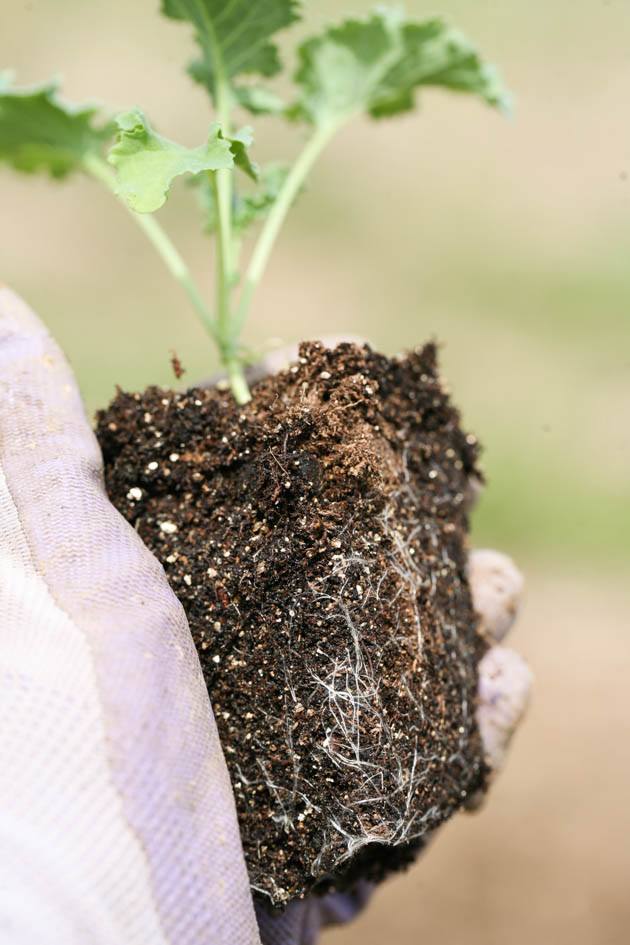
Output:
[[169, 528], [135, 494]]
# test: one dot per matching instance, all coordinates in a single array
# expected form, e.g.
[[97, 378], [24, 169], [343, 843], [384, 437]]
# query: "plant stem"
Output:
[[222, 267], [98, 169], [222, 182], [277, 216], [226, 341], [238, 382]]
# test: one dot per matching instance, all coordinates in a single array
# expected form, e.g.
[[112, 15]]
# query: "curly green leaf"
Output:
[[377, 65], [147, 164], [40, 132], [240, 143], [234, 35]]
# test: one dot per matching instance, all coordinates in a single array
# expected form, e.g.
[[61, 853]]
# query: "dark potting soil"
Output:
[[317, 541]]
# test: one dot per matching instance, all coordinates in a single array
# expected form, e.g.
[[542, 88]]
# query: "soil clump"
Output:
[[317, 539]]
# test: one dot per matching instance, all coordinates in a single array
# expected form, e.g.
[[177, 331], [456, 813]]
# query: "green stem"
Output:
[[226, 341], [269, 233], [222, 269], [222, 182], [99, 170], [223, 195], [238, 382]]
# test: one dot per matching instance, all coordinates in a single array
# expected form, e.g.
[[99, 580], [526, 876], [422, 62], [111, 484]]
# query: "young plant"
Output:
[[370, 66]]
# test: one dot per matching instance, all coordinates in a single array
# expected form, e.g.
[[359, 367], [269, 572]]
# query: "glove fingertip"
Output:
[[505, 682], [497, 586]]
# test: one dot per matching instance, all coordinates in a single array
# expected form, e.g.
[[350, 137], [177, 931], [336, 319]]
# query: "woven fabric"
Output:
[[117, 822]]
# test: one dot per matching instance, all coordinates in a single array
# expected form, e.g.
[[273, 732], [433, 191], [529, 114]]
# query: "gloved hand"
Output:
[[117, 822]]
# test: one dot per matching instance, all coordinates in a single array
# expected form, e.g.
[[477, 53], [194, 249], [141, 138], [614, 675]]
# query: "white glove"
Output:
[[117, 821]]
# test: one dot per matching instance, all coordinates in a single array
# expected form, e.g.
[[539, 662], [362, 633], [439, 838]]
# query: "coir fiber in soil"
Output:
[[317, 541]]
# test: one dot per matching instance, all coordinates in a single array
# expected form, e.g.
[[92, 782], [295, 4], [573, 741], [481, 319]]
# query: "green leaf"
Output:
[[147, 164], [435, 54], [376, 65], [259, 100], [234, 35], [39, 132], [247, 208], [240, 143]]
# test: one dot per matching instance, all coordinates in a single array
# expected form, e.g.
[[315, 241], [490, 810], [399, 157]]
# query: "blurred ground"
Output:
[[508, 240]]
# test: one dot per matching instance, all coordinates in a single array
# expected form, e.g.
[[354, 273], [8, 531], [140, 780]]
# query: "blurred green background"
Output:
[[509, 241]]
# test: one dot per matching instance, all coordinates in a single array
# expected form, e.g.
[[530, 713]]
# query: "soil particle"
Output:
[[178, 368], [317, 540]]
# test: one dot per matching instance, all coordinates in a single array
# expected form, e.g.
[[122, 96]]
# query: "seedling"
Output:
[[372, 66], [316, 536]]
